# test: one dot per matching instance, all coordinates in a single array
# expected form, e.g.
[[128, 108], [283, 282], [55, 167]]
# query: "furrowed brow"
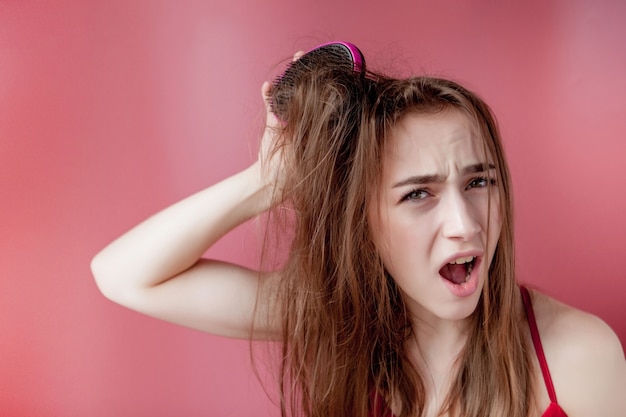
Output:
[[434, 178], [419, 180], [476, 168]]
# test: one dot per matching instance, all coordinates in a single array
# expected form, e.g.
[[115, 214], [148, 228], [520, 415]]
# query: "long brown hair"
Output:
[[344, 322]]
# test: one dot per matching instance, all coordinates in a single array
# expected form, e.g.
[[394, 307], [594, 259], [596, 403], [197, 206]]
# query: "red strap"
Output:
[[534, 332]]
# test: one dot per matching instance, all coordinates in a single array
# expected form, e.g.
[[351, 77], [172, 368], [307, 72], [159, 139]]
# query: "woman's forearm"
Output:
[[174, 239]]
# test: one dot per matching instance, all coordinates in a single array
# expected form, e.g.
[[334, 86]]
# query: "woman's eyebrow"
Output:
[[438, 178], [476, 168]]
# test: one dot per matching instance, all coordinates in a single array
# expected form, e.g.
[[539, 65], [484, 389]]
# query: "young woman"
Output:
[[398, 294]]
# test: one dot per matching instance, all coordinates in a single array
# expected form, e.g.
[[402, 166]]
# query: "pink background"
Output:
[[110, 110]]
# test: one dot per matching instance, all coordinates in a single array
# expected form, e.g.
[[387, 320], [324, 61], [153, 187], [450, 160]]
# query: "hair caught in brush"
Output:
[[325, 129], [331, 57]]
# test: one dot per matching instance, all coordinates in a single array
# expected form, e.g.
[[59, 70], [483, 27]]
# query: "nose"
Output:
[[459, 220]]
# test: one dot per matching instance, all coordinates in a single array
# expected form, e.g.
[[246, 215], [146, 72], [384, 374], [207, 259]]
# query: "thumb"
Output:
[[266, 90]]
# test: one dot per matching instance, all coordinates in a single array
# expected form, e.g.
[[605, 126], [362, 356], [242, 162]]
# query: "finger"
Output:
[[297, 55], [266, 89]]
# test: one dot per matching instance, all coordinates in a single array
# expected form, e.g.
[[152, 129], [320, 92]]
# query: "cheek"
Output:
[[398, 246], [494, 222], [387, 237]]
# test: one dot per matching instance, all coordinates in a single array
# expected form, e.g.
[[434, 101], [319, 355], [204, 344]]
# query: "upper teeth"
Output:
[[463, 260]]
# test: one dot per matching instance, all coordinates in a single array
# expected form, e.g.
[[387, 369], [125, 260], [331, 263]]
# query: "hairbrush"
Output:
[[339, 55]]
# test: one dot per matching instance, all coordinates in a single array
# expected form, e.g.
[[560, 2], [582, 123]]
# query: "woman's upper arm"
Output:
[[211, 296]]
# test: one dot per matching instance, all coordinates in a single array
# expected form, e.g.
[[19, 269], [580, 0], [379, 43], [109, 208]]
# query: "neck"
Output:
[[434, 350], [438, 345]]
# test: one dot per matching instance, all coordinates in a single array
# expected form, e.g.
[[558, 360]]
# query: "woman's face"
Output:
[[434, 226]]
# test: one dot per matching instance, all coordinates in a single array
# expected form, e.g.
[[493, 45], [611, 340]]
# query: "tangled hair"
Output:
[[344, 321]]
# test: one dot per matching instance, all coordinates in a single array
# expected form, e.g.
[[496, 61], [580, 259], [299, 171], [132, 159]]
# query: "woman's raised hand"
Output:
[[271, 152]]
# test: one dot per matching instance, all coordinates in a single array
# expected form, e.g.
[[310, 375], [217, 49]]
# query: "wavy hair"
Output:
[[344, 322]]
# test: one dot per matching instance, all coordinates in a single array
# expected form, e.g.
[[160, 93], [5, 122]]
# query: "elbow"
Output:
[[105, 279], [114, 282]]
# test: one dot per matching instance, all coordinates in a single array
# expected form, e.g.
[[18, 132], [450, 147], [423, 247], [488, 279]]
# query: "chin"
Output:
[[461, 309]]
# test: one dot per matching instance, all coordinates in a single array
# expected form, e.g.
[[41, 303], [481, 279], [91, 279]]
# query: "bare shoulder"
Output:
[[585, 358]]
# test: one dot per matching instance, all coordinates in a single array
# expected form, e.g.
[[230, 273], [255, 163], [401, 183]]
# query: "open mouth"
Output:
[[459, 270]]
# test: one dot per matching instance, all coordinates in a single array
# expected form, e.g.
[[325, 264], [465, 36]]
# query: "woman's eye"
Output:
[[481, 182], [415, 195]]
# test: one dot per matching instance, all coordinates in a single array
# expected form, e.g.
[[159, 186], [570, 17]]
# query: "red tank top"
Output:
[[554, 409]]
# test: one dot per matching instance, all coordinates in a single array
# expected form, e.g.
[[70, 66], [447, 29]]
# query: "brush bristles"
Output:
[[331, 57]]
